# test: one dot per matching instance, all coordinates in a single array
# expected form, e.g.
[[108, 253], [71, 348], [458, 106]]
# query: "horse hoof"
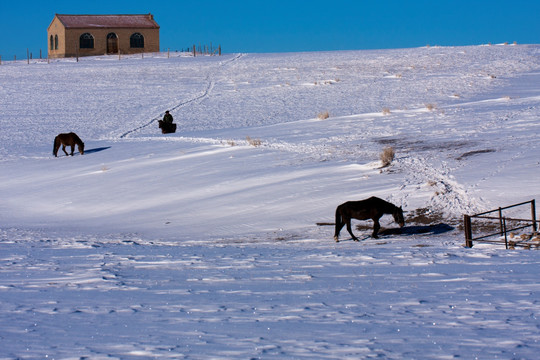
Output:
[[336, 239]]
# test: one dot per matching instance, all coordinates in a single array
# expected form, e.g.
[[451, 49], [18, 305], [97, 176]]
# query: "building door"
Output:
[[112, 43]]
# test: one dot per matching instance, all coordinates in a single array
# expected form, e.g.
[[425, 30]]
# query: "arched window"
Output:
[[136, 41], [52, 43], [55, 42], [86, 41]]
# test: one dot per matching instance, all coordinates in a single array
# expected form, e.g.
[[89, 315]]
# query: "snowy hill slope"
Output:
[[229, 259], [440, 104]]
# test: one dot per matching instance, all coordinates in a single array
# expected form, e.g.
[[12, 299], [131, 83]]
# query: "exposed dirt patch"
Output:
[[481, 226], [422, 145], [475, 152], [424, 216]]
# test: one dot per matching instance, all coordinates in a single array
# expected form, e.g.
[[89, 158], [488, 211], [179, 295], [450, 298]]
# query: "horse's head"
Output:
[[398, 216], [81, 148]]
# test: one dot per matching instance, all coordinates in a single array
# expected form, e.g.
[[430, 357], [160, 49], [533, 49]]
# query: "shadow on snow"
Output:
[[95, 150]]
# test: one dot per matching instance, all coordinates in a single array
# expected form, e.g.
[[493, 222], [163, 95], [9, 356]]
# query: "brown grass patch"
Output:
[[323, 115], [253, 142], [387, 156]]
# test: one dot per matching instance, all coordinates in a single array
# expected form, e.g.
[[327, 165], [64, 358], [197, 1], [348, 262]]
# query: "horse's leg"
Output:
[[376, 228], [349, 229], [339, 225], [64, 149], [72, 149]]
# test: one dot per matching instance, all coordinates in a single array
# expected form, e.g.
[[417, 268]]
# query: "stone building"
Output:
[[85, 35]]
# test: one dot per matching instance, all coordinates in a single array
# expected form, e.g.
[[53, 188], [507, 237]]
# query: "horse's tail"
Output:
[[339, 223], [55, 149]]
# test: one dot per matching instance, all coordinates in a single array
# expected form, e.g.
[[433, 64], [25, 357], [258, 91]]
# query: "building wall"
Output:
[[68, 44], [56, 29]]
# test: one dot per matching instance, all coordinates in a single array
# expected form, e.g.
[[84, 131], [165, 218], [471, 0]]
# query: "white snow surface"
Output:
[[204, 244]]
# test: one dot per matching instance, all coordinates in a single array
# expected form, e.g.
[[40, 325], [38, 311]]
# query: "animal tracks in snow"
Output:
[[214, 300], [210, 82]]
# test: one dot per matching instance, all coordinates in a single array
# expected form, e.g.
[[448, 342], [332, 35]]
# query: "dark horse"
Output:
[[372, 208], [67, 139], [167, 127]]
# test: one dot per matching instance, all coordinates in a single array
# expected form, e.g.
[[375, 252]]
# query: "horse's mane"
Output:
[[387, 204], [76, 138]]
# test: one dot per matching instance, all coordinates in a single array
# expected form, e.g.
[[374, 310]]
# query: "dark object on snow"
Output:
[[67, 139], [167, 118], [166, 125], [372, 208], [167, 128]]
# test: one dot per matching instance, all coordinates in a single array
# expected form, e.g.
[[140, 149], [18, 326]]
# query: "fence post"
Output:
[[501, 222], [505, 235], [468, 231], [533, 214]]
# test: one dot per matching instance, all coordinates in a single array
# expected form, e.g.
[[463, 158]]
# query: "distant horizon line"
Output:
[[165, 50]]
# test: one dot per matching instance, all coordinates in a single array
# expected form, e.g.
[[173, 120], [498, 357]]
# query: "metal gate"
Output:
[[505, 224]]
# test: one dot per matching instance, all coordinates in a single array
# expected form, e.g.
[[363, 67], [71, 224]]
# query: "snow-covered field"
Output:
[[203, 244]]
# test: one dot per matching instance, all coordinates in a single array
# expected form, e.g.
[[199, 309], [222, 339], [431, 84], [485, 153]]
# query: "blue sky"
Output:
[[291, 25]]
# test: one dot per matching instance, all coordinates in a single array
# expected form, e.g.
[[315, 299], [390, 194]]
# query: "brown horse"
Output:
[[67, 139], [372, 208]]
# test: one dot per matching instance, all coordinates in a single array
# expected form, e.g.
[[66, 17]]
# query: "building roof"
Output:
[[108, 21]]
